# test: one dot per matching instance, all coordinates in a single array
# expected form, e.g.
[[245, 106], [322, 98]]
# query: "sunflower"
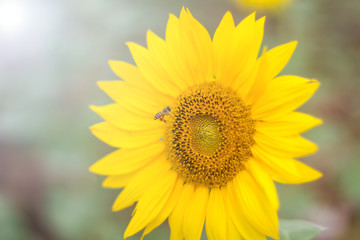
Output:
[[203, 127], [263, 4]]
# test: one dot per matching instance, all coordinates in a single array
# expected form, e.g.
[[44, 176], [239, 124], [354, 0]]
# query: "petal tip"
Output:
[[253, 15], [93, 167], [111, 62], [93, 127], [317, 121], [131, 45], [100, 83], [94, 109], [228, 14], [319, 175], [114, 208], [295, 42]]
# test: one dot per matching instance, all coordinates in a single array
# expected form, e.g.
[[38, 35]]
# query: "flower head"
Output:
[[203, 128], [263, 4]]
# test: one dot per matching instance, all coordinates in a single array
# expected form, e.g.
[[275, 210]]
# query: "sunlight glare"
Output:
[[13, 18]]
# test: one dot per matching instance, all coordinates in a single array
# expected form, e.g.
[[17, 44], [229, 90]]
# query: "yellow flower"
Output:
[[203, 128], [263, 4]]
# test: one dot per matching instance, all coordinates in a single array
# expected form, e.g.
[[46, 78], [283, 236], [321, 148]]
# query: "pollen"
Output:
[[209, 134]]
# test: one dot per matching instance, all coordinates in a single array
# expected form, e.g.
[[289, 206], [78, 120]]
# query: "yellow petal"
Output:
[[167, 209], [258, 212], [118, 181], [243, 226], [263, 179], [273, 62], [286, 170], [194, 216], [151, 202], [223, 34], [176, 219], [169, 60], [153, 71], [124, 161], [229, 64], [197, 42], [194, 65], [290, 124], [172, 61], [142, 101], [278, 57], [252, 66], [118, 138], [172, 35], [283, 95], [180, 63], [126, 119], [140, 184], [216, 220], [232, 232], [130, 74], [290, 146]]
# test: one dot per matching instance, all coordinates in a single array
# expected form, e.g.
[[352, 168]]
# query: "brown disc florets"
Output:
[[209, 133]]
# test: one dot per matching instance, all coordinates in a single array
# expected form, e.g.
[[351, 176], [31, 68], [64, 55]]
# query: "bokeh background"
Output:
[[52, 53]]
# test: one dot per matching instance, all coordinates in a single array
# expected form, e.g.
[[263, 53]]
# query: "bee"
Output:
[[160, 115]]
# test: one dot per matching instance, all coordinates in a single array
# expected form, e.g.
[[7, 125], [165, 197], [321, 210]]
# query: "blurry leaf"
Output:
[[298, 230]]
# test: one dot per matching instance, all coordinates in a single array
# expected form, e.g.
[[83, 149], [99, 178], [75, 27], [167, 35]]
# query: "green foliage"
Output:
[[298, 230]]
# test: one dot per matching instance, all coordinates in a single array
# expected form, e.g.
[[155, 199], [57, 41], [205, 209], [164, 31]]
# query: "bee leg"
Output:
[[162, 118]]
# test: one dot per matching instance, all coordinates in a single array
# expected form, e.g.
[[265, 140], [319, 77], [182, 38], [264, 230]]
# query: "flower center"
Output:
[[205, 134], [209, 133]]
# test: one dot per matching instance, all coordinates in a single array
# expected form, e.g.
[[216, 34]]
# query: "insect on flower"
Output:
[[160, 115]]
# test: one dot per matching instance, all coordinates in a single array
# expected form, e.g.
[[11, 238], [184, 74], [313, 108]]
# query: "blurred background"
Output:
[[52, 53]]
